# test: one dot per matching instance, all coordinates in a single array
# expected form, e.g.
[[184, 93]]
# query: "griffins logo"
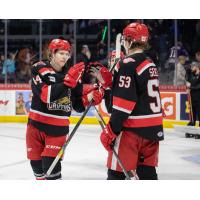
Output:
[[63, 104]]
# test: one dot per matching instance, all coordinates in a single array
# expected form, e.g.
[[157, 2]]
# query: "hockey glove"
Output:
[[87, 88], [107, 137], [96, 95], [74, 75], [102, 74]]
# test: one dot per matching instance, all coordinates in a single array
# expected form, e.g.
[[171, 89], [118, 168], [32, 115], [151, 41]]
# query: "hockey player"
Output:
[[193, 87], [135, 126], [56, 90]]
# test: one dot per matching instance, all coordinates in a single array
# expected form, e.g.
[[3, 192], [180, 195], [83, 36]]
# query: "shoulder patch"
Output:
[[127, 60]]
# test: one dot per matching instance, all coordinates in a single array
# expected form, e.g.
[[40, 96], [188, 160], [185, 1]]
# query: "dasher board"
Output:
[[187, 129]]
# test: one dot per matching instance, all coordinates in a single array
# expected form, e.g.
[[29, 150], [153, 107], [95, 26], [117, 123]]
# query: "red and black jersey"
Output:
[[52, 101], [136, 103]]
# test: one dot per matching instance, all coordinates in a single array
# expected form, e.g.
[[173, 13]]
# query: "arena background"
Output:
[[105, 9], [25, 41]]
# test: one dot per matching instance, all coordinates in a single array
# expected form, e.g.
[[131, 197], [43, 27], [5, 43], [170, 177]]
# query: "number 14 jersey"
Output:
[[136, 103]]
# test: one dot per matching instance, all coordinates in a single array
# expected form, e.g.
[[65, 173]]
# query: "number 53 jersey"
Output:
[[136, 103]]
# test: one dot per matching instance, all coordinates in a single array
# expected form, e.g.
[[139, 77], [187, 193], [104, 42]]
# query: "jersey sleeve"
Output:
[[124, 95], [108, 100], [44, 84], [76, 98]]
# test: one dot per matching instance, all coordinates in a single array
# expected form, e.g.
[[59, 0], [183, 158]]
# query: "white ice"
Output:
[[85, 158]]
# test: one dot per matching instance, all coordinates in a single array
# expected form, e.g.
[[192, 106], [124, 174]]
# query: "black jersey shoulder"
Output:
[[36, 67], [133, 61]]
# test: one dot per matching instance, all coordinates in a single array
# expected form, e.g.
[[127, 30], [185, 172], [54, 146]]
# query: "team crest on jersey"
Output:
[[127, 60], [63, 104], [64, 100]]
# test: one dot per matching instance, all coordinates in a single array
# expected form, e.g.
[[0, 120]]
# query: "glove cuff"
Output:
[[70, 82]]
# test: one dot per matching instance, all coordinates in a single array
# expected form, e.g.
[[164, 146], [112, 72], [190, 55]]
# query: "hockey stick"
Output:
[[62, 150], [118, 50], [131, 175], [190, 103]]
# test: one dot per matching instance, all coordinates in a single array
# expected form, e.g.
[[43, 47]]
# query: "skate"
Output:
[[189, 135], [197, 136]]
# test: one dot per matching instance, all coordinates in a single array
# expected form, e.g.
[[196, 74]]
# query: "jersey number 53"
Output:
[[124, 81]]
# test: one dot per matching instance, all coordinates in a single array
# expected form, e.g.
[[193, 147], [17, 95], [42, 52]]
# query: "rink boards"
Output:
[[174, 103]]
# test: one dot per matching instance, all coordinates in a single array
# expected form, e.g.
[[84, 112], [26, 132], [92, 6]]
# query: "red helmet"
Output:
[[113, 54], [59, 44], [137, 32]]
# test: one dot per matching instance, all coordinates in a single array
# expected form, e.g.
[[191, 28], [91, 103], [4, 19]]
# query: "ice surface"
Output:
[[85, 158]]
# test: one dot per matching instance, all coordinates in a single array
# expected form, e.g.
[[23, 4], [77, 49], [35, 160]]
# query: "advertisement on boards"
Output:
[[7, 102], [169, 105], [23, 102], [184, 107]]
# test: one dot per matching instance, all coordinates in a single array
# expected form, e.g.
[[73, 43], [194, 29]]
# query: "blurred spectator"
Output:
[[162, 50], [2, 58], [197, 56], [67, 27], [83, 24], [25, 60], [9, 68], [193, 86], [176, 51], [181, 70], [45, 52], [101, 53], [196, 41], [85, 55]]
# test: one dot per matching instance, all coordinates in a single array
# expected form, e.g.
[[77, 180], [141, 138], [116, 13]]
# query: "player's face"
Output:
[[60, 58], [195, 69], [198, 57]]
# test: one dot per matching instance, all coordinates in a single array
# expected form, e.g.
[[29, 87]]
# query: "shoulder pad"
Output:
[[46, 71], [40, 63]]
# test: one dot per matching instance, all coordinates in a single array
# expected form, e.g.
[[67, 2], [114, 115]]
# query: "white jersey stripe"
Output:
[[145, 116], [47, 72], [49, 115], [49, 94], [122, 109], [116, 147], [146, 67]]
